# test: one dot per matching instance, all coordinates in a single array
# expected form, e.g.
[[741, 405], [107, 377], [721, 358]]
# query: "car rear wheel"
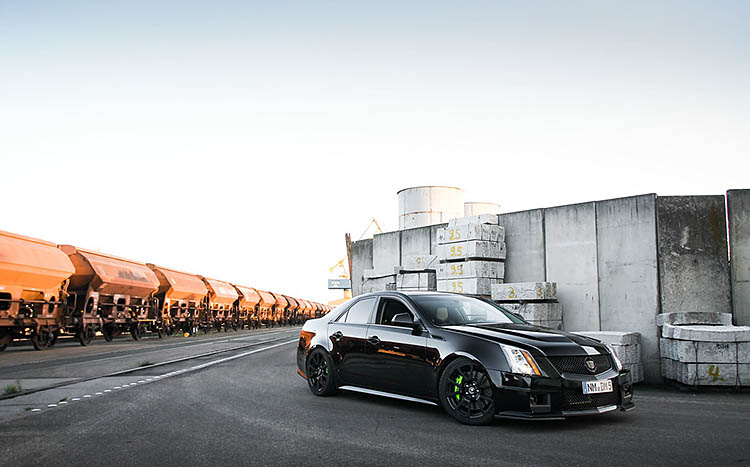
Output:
[[466, 392], [320, 373]]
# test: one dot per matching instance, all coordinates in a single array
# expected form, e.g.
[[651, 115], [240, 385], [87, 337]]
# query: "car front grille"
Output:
[[577, 364], [576, 400]]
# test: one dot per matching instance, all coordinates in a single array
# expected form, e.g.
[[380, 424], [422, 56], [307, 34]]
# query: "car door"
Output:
[[396, 358], [347, 336]]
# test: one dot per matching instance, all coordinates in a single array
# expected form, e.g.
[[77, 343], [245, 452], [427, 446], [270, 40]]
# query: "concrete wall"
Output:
[[415, 242], [361, 261], [628, 273], [692, 247], [524, 240], [386, 251], [571, 260], [738, 203]]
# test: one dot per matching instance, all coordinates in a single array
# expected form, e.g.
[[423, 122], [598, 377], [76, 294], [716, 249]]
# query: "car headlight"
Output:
[[618, 363], [520, 361]]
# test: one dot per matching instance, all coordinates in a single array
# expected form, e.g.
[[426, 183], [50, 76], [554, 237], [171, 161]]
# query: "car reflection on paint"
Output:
[[471, 356]]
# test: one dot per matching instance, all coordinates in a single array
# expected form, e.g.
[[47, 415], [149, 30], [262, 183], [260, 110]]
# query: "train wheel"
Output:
[[41, 338], [55, 335], [160, 332], [86, 335], [135, 332], [108, 333], [3, 347], [169, 330]]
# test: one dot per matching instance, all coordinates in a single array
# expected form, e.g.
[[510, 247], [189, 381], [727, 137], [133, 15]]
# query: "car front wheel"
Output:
[[320, 373], [466, 392]]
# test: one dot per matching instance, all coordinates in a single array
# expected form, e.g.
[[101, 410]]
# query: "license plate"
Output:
[[597, 387]]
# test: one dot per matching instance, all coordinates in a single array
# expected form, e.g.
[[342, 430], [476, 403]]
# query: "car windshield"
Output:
[[450, 310]]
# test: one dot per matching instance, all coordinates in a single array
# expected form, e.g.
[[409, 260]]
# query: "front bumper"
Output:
[[535, 397]]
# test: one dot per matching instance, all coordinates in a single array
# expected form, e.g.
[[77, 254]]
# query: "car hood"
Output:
[[530, 337]]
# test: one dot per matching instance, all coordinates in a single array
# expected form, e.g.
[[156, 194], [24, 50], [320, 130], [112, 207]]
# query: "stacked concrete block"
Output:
[[420, 263], [416, 281], [471, 251], [627, 347], [375, 281], [704, 349], [535, 302]]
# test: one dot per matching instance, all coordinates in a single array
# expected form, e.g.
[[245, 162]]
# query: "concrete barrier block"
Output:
[[683, 351], [420, 263], [704, 333], [743, 352], [416, 280], [524, 291], [471, 249], [463, 232], [685, 373], [717, 352], [743, 374], [386, 251], [613, 337], [551, 324], [636, 372], [536, 311], [473, 286], [478, 219], [717, 374], [628, 354], [379, 284], [466, 269], [694, 317]]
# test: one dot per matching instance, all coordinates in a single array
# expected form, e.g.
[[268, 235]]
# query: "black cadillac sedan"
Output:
[[471, 356]]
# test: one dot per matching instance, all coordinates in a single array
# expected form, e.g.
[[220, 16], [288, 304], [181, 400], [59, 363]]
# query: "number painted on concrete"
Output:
[[457, 269], [457, 287], [456, 251], [713, 371]]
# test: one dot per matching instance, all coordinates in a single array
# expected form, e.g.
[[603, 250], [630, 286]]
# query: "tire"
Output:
[[466, 392], [320, 373]]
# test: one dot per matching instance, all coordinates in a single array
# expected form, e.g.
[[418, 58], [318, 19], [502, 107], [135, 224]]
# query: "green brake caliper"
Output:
[[455, 388]]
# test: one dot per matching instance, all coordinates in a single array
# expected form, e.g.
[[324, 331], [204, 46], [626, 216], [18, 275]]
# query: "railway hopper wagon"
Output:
[[247, 306], [181, 297], [33, 281], [220, 304], [292, 310], [109, 294], [265, 308], [279, 309]]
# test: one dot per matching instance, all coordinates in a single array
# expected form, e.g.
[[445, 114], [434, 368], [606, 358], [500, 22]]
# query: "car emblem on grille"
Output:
[[590, 364]]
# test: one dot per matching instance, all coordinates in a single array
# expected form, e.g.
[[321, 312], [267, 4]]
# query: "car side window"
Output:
[[388, 309], [360, 312]]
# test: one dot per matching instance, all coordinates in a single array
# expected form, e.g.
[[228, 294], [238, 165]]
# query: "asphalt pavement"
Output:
[[256, 410]]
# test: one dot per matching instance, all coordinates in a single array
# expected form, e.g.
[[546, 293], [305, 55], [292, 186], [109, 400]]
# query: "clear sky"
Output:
[[241, 140]]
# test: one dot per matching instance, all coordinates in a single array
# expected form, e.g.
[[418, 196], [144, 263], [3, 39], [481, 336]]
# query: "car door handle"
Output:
[[337, 335], [373, 340]]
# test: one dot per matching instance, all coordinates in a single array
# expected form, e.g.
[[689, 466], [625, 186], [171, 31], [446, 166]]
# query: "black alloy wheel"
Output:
[[466, 392], [320, 373]]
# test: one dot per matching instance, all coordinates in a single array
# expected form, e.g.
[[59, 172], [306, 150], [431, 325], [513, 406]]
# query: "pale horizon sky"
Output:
[[241, 140]]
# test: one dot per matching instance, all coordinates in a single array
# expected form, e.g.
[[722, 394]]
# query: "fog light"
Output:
[[627, 391], [533, 400]]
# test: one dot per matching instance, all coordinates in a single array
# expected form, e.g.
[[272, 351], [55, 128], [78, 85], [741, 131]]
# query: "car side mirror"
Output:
[[402, 319]]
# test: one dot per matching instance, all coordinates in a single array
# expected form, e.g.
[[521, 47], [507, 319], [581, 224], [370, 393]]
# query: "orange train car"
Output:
[[265, 308], [220, 305], [181, 298], [247, 306], [33, 282], [291, 310], [279, 309], [109, 294]]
